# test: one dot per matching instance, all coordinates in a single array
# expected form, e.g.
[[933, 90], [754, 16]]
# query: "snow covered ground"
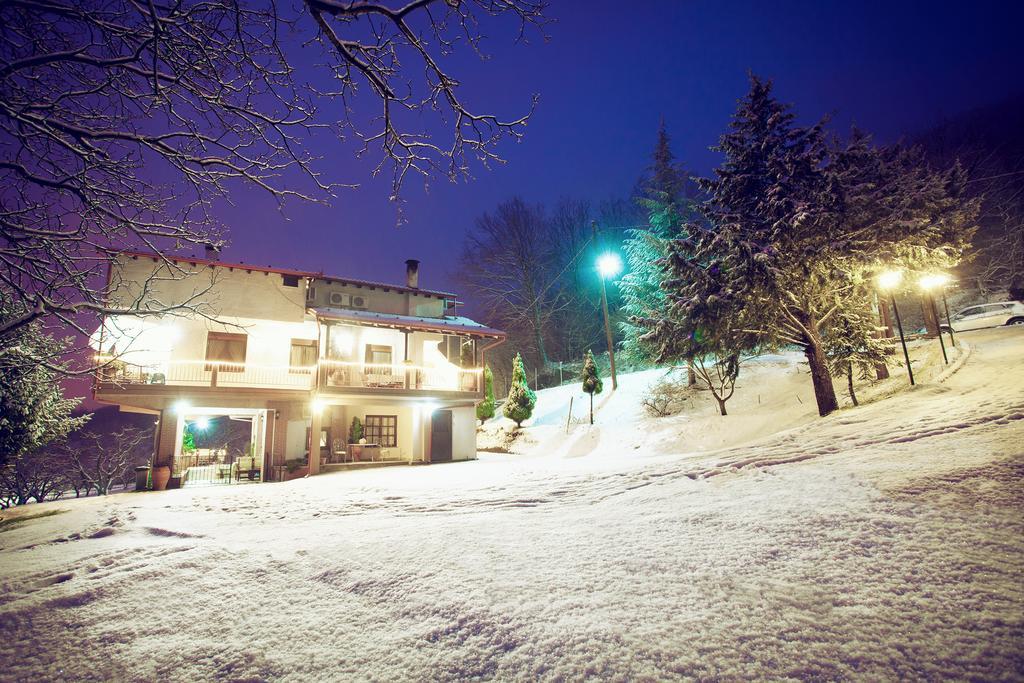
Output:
[[883, 542]]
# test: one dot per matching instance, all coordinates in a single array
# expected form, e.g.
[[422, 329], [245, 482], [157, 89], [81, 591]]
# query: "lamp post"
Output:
[[888, 281], [940, 280], [608, 265], [928, 283]]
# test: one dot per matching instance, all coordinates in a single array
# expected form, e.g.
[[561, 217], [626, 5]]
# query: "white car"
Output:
[[987, 315]]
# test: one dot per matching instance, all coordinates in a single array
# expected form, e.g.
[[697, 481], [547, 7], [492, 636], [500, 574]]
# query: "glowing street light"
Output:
[[202, 424], [888, 281], [927, 284], [609, 265], [940, 281]]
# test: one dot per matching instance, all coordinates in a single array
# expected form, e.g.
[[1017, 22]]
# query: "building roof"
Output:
[[450, 323], [320, 275]]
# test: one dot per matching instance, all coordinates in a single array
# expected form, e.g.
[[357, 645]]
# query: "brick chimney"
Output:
[[412, 273]]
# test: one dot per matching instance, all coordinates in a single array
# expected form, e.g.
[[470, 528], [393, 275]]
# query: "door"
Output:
[[441, 436]]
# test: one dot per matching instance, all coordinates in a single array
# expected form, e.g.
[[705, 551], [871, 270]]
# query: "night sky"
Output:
[[611, 70]]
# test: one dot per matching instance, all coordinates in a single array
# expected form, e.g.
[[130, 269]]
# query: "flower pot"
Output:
[[357, 452], [161, 475]]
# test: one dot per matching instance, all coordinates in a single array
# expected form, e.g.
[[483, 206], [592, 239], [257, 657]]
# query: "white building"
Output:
[[258, 365]]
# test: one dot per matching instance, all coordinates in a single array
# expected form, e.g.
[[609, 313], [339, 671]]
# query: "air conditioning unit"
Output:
[[358, 302], [310, 293], [339, 299]]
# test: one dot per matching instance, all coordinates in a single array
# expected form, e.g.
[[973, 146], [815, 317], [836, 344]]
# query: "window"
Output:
[[303, 356], [225, 351], [377, 354], [381, 430], [290, 280]]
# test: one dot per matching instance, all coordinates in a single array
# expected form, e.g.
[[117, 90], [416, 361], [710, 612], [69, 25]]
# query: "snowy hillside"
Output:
[[880, 543], [773, 394]]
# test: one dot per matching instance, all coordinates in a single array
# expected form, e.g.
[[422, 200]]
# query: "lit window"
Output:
[[381, 430], [377, 354], [225, 351]]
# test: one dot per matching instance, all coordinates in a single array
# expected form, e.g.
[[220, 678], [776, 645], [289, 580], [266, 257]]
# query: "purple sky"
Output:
[[606, 77]]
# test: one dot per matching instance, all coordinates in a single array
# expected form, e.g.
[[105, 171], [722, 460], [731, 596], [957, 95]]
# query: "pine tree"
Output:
[[485, 409], [664, 196], [591, 380], [796, 222], [355, 430], [853, 346], [33, 410], [521, 399]]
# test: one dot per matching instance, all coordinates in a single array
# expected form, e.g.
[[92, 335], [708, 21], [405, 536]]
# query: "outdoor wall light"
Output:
[[202, 424], [180, 407], [317, 405]]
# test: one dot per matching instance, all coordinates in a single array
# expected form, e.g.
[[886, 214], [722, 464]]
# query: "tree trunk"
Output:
[[591, 408], [691, 376], [538, 333], [931, 321], [824, 392], [849, 384], [721, 405]]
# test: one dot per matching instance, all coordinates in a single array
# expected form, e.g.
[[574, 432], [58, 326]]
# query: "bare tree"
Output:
[[37, 476], [105, 461], [511, 265], [123, 122]]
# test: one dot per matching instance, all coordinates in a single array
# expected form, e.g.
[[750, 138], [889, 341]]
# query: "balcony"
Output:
[[118, 374], [333, 375], [336, 374]]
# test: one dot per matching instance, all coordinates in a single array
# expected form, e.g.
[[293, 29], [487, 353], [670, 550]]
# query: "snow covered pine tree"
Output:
[[521, 399], [796, 223], [485, 409], [591, 380]]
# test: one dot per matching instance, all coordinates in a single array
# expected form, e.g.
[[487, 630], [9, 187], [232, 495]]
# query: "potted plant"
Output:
[[355, 438]]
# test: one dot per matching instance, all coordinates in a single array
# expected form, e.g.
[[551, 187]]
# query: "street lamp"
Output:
[[609, 265], [889, 280], [940, 280]]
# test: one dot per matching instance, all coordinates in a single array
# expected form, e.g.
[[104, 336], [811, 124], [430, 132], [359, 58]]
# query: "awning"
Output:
[[451, 324]]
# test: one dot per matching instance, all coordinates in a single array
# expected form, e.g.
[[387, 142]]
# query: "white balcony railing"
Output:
[[207, 374], [351, 374], [333, 374]]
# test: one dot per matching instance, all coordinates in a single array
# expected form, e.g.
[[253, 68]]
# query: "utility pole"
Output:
[[604, 309]]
